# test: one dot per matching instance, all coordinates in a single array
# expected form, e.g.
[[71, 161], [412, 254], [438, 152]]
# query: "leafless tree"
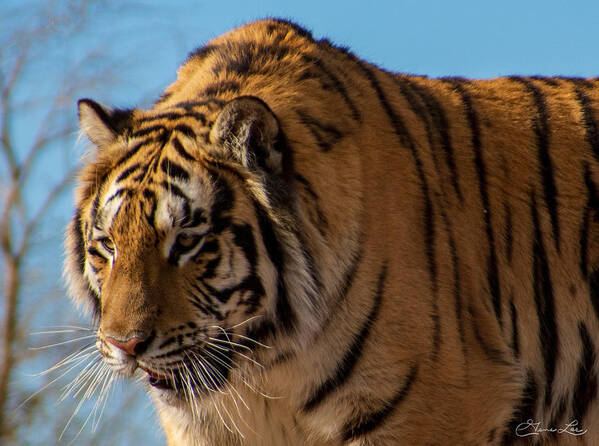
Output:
[[38, 90]]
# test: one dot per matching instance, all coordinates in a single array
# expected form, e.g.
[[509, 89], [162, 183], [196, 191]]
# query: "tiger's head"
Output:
[[175, 245]]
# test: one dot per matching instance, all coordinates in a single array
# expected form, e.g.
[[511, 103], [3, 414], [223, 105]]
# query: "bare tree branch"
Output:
[[5, 96], [35, 221]]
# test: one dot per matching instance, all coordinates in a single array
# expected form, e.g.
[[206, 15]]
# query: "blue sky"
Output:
[[149, 39]]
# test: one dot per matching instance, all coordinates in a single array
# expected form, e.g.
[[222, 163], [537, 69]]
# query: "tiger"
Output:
[[294, 246]]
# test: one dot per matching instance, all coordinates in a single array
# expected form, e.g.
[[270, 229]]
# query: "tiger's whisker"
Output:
[[251, 340], [43, 347], [89, 415], [91, 386], [113, 378], [204, 364], [82, 376], [84, 353], [61, 331], [95, 376], [48, 384], [244, 322], [242, 355], [245, 347]]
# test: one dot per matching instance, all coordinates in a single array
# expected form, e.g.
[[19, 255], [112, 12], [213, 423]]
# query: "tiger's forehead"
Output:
[[193, 119], [166, 193]]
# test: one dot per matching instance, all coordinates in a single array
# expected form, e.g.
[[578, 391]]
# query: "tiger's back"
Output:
[[447, 233]]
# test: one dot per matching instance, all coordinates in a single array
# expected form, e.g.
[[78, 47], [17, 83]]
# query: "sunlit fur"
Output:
[[422, 252]]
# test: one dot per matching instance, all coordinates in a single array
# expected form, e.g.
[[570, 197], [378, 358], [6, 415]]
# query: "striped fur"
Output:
[[318, 252]]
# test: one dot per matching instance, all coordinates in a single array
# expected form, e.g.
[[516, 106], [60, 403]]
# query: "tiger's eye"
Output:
[[108, 244], [187, 240]]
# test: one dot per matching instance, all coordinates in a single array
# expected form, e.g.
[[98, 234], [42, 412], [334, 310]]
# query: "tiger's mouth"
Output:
[[163, 382], [205, 375]]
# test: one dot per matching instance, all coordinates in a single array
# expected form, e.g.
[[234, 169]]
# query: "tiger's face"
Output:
[[167, 245]]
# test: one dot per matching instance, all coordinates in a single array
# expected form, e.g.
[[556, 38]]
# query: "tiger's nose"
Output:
[[133, 346]]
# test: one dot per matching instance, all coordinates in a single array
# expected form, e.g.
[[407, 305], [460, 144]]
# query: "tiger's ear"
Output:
[[248, 131], [101, 124]]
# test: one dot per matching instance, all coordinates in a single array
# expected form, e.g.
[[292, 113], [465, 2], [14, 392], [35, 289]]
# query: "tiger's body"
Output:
[[301, 248]]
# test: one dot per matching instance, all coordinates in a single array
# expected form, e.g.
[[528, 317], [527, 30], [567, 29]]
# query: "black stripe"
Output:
[[347, 364], [481, 172], [222, 202], [96, 202], [148, 130], [406, 140], [285, 314], [515, 335], [348, 280], [77, 234], [201, 53], [592, 207], [337, 84], [585, 390], [197, 218], [118, 193], [320, 220], [253, 291], [95, 206], [577, 80], [526, 410], [326, 135], [128, 155], [543, 294], [243, 63], [253, 59], [366, 423], [491, 353], [150, 195], [261, 331], [243, 236], [139, 178], [80, 254], [418, 108], [549, 81], [190, 105], [163, 98], [95, 253], [128, 172], [206, 297], [457, 287], [186, 130], [174, 116], [540, 124], [220, 87], [181, 150], [439, 119], [173, 169], [174, 190], [283, 23], [204, 303], [588, 116]]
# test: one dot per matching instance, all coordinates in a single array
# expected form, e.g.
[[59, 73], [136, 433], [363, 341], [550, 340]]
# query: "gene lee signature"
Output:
[[531, 427]]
